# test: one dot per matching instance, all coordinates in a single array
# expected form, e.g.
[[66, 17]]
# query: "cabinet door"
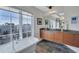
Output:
[[68, 38], [41, 33], [59, 37], [76, 36], [45, 34], [71, 39], [76, 40], [51, 36]]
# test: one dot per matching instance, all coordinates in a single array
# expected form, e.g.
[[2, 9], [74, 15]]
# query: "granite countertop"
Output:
[[66, 31]]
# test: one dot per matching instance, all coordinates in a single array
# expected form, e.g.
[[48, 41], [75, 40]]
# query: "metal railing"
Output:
[[15, 36], [7, 38]]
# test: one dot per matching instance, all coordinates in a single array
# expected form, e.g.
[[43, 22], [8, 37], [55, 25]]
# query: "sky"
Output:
[[6, 17]]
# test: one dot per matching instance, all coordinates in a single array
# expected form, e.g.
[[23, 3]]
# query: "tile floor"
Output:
[[52, 47]]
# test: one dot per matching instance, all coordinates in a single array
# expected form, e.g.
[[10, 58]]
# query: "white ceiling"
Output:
[[30, 9], [42, 10], [58, 9]]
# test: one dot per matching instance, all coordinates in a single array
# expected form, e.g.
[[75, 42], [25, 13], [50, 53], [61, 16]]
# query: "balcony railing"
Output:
[[15, 36]]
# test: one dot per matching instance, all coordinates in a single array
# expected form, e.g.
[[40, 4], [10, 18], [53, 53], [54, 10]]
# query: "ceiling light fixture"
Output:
[[51, 10], [50, 7]]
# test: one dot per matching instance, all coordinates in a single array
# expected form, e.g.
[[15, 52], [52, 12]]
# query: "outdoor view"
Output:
[[9, 26], [26, 27]]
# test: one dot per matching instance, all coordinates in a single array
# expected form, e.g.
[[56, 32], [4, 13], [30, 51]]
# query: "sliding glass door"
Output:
[[5, 31], [4, 27], [14, 27]]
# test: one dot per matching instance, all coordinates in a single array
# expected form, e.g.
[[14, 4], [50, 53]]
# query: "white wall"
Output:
[[69, 12]]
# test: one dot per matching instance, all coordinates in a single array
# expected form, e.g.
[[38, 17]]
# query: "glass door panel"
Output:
[[5, 36], [15, 29], [26, 26], [15, 25], [12, 30]]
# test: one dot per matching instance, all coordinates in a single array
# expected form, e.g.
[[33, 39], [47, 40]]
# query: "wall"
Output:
[[69, 12]]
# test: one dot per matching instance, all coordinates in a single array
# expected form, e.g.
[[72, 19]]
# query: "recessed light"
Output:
[[61, 14], [51, 12]]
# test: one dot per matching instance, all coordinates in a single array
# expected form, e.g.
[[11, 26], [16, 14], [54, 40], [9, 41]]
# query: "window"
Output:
[[26, 26], [10, 25], [4, 27], [15, 26], [14, 17]]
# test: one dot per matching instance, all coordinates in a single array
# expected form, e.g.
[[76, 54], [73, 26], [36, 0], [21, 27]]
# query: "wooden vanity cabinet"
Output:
[[60, 37]]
